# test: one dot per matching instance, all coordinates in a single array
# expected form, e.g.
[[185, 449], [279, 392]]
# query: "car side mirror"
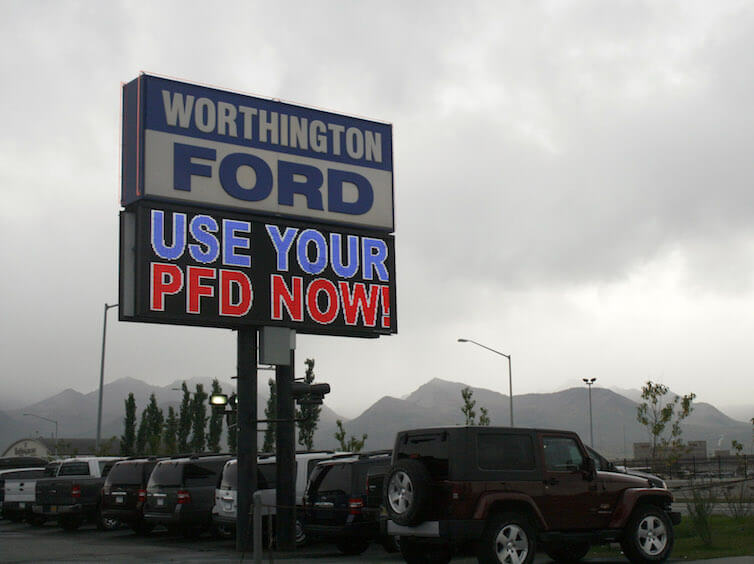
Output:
[[589, 469]]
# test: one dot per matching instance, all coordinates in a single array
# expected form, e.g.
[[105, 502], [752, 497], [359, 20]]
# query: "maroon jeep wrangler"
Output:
[[504, 492]]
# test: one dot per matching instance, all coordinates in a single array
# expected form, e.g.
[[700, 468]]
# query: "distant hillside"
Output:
[[438, 402]]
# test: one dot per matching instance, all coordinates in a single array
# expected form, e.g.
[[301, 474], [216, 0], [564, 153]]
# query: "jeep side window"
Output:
[[499, 451], [562, 454]]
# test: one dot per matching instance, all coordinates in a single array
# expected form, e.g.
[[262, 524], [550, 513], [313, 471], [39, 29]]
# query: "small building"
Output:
[[50, 448], [693, 450]]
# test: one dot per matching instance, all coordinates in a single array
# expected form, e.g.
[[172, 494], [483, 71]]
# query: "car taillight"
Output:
[[76, 491], [142, 496], [183, 497], [355, 505]]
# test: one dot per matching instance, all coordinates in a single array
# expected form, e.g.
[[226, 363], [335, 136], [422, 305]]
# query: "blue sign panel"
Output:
[[197, 145]]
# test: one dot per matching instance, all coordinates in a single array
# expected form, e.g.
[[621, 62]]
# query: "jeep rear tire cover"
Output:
[[407, 492]]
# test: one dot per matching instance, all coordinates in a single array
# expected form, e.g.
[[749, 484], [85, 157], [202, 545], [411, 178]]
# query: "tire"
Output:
[[568, 552], [70, 522], [407, 492], [301, 538], [106, 523], [222, 532], [508, 538], [141, 527], [391, 544], [37, 520], [648, 536], [418, 552], [352, 547]]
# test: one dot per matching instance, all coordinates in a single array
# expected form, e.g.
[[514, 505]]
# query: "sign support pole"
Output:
[[247, 433], [286, 456]]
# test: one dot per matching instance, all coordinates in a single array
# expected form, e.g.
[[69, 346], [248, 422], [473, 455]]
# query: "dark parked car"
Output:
[[604, 465], [337, 502], [181, 493], [11, 462], [73, 496], [500, 491], [125, 492]]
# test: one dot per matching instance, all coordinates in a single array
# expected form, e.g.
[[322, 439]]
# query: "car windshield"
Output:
[[126, 474], [166, 474], [332, 478]]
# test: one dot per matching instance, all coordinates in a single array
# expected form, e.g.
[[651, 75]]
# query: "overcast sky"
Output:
[[573, 186]]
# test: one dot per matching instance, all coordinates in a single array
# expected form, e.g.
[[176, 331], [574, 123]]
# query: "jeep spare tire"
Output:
[[407, 492]]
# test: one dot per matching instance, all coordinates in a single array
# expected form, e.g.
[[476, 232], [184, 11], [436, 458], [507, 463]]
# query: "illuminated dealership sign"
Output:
[[241, 211], [190, 266], [197, 145]]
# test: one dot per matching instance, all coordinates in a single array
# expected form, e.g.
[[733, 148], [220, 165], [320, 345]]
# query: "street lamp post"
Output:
[[510, 375], [102, 375], [589, 382], [51, 421]]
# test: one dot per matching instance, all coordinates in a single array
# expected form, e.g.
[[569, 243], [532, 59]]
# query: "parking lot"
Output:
[[20, 542]]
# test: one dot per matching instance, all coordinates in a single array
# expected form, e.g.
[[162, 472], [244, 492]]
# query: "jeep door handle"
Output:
[[552, 482]]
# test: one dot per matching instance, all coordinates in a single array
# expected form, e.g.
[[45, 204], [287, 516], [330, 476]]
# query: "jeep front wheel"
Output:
[[508, 538], [407, 491], [648, 536]]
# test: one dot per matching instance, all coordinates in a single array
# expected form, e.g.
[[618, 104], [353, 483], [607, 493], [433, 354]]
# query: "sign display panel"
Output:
[[201, 146], [190, 266]]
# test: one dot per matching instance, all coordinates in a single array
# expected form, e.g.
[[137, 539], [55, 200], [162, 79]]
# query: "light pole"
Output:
[[102, 375], [589, 382], [510, 375], [51, 421]]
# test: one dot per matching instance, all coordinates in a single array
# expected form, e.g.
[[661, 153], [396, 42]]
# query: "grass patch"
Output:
[[730, 537]]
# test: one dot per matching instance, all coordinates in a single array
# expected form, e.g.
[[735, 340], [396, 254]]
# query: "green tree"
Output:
[[308, 415], [352, 444], [198, 419], [270, 412], [468, 406], [468, 409], [484, 418], [662, 416], [142, 434], [170, 437], [184, 420], [128, 439], [155, 419], [215, 422]]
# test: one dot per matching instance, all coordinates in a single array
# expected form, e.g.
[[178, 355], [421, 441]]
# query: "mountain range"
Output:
[[435, 403]]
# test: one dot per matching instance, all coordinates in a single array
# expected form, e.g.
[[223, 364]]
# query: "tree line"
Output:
[[180, 432], [197, 428]]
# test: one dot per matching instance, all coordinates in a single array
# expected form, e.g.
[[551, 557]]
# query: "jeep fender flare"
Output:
[[633, 497], [488, 500]]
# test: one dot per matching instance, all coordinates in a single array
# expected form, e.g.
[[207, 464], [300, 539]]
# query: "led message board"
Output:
[[190, 266], [201, 146]]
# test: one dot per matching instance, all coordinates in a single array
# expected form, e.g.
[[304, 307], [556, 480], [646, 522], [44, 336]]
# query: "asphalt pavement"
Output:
[[20, 542]]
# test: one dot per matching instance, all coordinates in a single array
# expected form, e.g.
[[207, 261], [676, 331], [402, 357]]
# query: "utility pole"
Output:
[[589, 382]]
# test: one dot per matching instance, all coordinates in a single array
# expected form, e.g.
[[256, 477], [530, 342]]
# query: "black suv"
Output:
[[181, 493], [500, 491], [125, 492], [337, 502]]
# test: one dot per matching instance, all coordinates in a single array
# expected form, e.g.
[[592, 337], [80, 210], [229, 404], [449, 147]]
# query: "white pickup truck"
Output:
[[19, 489]]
